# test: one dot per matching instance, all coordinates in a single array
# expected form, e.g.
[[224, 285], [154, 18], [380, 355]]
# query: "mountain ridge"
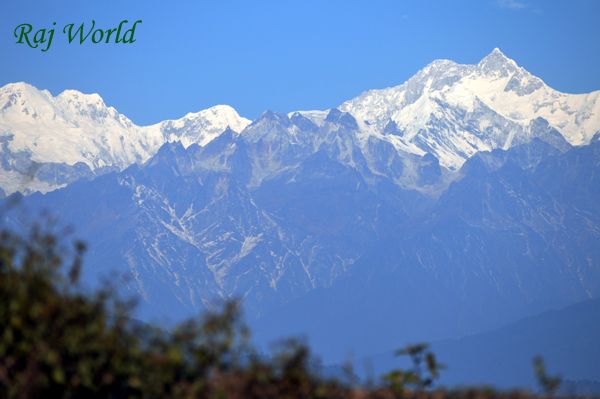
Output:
[[40, 130], [344, 226], [565, 337], [448, 110]]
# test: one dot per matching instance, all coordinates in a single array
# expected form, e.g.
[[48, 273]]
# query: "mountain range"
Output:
[[48, 142], [454, 203], [447, 110]]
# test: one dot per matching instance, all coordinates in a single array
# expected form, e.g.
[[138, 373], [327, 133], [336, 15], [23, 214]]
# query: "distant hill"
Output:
[[568, 339]]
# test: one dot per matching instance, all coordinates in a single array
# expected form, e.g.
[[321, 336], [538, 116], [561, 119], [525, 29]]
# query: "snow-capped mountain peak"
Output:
[[497, 63], [204, 126], [455, 110], [69, 128], [447, 109], [73, 128]]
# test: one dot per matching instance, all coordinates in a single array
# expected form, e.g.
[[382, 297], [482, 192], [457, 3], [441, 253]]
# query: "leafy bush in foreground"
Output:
[[55, 341]]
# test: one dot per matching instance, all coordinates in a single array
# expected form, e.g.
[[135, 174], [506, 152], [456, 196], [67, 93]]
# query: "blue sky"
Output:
[[286, 55]]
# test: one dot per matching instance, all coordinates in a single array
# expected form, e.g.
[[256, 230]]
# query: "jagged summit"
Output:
[[71, 128], [498, 62], [498, 54], [447, 109], [271, 115], [495, 63], [203, 126], [456, 110], [341, 118]]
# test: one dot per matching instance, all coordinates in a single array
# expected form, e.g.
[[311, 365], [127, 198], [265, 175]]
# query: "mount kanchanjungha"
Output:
[[456, 202]]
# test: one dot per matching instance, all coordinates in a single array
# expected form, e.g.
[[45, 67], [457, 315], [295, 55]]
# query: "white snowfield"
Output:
[[455, 110], [75, 127], [447, 109]]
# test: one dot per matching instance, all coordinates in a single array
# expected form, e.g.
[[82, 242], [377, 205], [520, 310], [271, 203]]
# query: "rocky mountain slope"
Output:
[[454, 203], [447, 110]]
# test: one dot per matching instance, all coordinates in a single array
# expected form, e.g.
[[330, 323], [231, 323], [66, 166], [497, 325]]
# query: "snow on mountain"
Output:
[[454, 110], [71, 127], [316, 116], [334, 214], [202, 127], [37, 128], [448, 110]]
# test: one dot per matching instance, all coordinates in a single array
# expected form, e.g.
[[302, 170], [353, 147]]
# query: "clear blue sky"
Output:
[[286, 55]]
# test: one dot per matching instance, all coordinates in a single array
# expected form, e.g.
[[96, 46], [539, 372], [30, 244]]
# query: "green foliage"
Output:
[[425, 370], [56, 341], [549, 384]]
